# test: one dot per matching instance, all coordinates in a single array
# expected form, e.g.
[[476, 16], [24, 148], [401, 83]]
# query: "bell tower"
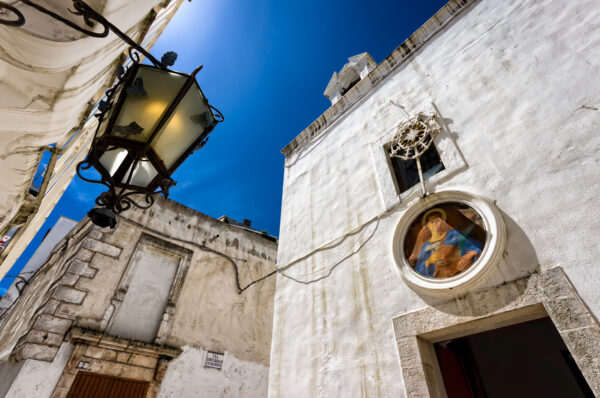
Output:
[[354, 71]]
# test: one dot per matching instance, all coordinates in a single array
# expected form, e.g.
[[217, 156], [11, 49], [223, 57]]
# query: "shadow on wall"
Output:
[[519, 260], [445, 123]]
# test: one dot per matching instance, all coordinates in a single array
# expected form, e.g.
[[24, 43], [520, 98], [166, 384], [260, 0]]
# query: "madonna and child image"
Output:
[[445, 240]]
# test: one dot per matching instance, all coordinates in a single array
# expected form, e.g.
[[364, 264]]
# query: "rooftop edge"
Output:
[[429, 29]]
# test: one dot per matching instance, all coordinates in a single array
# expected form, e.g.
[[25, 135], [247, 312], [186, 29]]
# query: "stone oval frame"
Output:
[[490, 255]]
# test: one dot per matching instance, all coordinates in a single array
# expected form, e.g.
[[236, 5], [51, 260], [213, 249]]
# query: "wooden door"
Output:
[[455, 378], [92, 385]]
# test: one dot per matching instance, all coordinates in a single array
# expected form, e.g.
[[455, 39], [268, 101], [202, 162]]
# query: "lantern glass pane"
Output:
[[111, 160], [143, 173], [189, 121], [145, 110]]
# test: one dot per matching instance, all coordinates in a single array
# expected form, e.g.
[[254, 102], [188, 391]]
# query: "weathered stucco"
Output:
[[187, 377], [38, 298], [217, 296], [38, 378], [210, 312], [515, 87]]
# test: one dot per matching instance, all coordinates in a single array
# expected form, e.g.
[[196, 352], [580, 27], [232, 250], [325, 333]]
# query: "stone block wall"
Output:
[[63, 272], [220, 299]]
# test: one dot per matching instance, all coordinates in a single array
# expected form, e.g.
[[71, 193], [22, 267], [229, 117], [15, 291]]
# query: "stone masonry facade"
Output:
[[66, 321], [48, 329], [108, 355], [548, 293]]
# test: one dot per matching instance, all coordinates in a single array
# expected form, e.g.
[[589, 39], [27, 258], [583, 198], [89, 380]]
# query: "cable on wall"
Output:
[[203, 247]]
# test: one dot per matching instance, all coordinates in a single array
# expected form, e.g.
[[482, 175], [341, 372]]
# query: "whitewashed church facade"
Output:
[[366, 304]]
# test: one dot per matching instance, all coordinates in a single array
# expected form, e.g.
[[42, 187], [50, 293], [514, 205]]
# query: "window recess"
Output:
[[406, 172]]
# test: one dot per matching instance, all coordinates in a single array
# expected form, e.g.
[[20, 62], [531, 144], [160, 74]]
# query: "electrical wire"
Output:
[[203, 247]]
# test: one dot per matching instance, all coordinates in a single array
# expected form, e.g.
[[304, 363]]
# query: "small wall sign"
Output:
[[214, 360], [83, 365]]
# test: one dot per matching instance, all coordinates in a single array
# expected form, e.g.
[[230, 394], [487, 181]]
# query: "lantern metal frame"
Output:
[[120, 195]]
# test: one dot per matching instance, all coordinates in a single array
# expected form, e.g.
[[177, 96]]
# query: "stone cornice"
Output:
[[395, 59], [91, 337]]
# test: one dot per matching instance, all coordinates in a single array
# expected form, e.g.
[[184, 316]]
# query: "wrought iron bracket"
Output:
[[90, 18], [118, 200]]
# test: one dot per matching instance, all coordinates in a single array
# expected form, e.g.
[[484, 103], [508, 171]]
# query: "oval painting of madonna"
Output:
[[445, 240]]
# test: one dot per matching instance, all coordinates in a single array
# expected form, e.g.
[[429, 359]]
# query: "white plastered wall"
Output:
[[36, 378], [516, 86], [62, 227], [187, 377]]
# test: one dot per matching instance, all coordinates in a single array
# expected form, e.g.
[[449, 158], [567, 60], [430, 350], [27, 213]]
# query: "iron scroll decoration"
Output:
[[119, 199], [120, 195], [7, 9], [413, 137], [90, 18]]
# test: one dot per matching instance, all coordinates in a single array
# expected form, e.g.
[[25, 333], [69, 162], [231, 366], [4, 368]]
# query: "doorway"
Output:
[[525, 360], [92, 385]]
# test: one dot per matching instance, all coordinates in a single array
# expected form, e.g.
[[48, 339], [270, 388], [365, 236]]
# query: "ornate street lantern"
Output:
[[148, 123]]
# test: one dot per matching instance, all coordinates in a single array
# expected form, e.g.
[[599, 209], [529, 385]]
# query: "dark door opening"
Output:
[[92, 385], [525, 360]]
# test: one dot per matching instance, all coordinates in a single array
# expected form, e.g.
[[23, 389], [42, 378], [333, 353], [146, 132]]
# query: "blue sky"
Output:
[[266, 65]]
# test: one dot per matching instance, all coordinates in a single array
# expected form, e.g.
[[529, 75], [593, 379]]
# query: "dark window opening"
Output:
[[527, 360], [407, 173], [345, 90]]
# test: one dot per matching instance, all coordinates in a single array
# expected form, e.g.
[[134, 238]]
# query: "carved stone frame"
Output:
[[109, 355], [548, 293], [490, 256], [166, 323]]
